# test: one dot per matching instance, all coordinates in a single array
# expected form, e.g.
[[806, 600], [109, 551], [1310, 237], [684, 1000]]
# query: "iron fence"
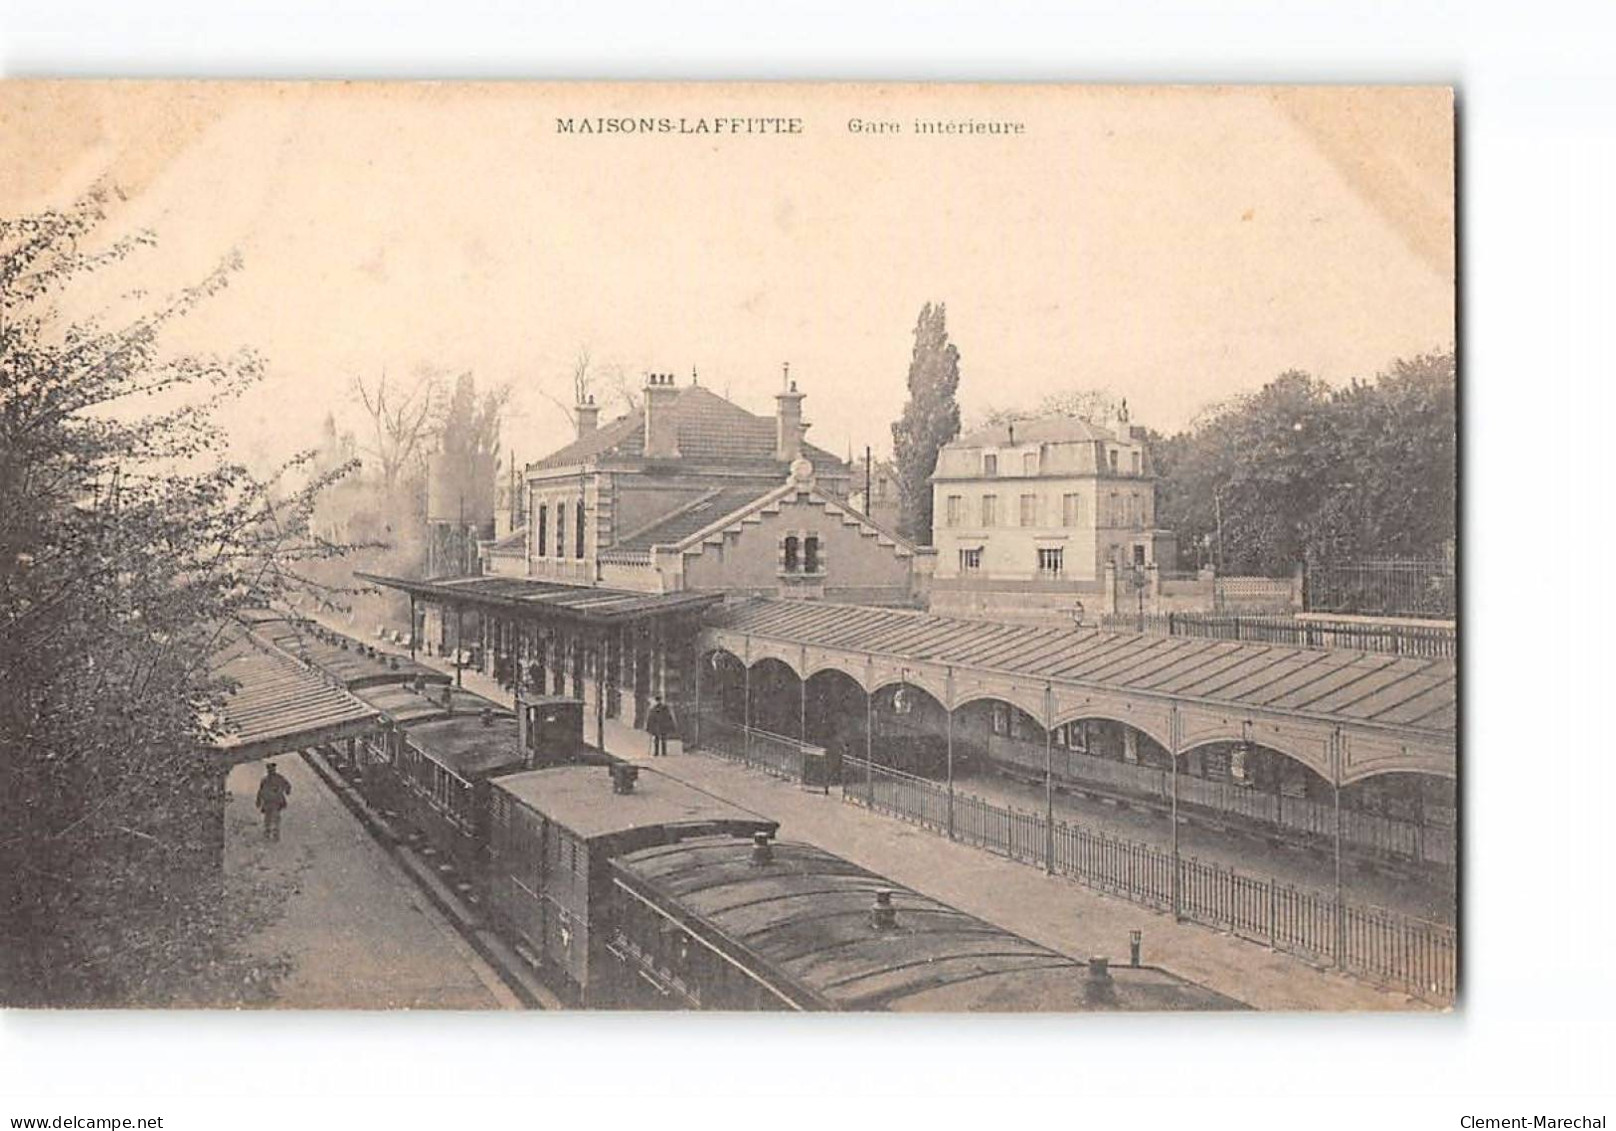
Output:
[[1389, 587], [1415, 955], [1390, 837], [774, 754], [1427, 641]]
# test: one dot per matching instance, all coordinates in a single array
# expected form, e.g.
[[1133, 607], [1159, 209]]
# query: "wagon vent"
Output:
[[623, 777], [762, 850], [883, 916]]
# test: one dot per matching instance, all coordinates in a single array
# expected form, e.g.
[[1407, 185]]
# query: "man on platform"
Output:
[[661, 724], [272, 794]]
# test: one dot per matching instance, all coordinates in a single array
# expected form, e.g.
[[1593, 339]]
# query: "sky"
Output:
[[1175, 245]]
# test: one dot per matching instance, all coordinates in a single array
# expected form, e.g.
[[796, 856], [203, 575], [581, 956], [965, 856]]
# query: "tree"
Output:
[[401, 422], [588, 377], [466, 465], [1096, 405], [1298, 471], [128, 551], [931, 418]]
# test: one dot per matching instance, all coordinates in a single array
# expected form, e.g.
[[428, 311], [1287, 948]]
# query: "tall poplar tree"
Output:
[[931, 418]]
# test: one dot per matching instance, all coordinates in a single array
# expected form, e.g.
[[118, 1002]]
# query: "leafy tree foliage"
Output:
[[931, 418], [1299, 471], [128, 550]]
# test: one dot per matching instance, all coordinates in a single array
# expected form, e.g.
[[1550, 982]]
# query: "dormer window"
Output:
[[990, 465], [1113, 458], [1029, 463]]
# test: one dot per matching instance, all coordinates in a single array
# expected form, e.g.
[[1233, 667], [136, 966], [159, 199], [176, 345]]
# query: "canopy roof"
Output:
[[281, 705], [578, 601], [1413, 693]]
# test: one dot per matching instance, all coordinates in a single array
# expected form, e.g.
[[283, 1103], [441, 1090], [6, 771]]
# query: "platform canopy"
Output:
[[281, 705], [518, 594], [1344, 713]]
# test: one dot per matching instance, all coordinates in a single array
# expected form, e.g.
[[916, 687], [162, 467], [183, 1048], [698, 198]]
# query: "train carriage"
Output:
[[552, 835], [717, 924]]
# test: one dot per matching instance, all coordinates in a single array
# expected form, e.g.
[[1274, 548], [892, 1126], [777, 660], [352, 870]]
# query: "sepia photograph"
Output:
[[729, 547]]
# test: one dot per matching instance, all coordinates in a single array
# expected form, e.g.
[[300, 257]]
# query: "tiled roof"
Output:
[[710, 430], [682, 523], [1410, 692]]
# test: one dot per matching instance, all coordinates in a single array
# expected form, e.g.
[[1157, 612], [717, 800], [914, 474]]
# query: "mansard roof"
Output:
[[1041, 430]]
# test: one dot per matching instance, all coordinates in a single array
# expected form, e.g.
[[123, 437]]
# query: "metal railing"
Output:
[[1415, 955], [774, 754], [1429, 641], [1387, 836], [1388, 587]]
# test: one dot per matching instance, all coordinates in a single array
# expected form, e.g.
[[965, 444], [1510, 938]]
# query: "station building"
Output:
[[610, 549]]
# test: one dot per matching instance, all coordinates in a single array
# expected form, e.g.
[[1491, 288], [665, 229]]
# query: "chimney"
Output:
[[883, 916], [661, 429], [762, 850], [588, 416], [623, 776], [788, 419]]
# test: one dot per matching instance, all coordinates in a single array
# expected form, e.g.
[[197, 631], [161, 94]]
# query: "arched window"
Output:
[[542, 542], [561, 530], [578, 551], [810, 554], [790, 551]]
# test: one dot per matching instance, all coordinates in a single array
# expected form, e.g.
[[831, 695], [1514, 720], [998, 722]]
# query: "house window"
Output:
[[810, 554], [1138, 462], [990, 510], [1050, 561], [791, 553], [579, 537], [1071, 510], [561, 531], [1139, 554], [543, 540], [970, 560], [955, 505], [1029, 510], [1001, 718], [990, 464], [1029, 463], [1115, 515]]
